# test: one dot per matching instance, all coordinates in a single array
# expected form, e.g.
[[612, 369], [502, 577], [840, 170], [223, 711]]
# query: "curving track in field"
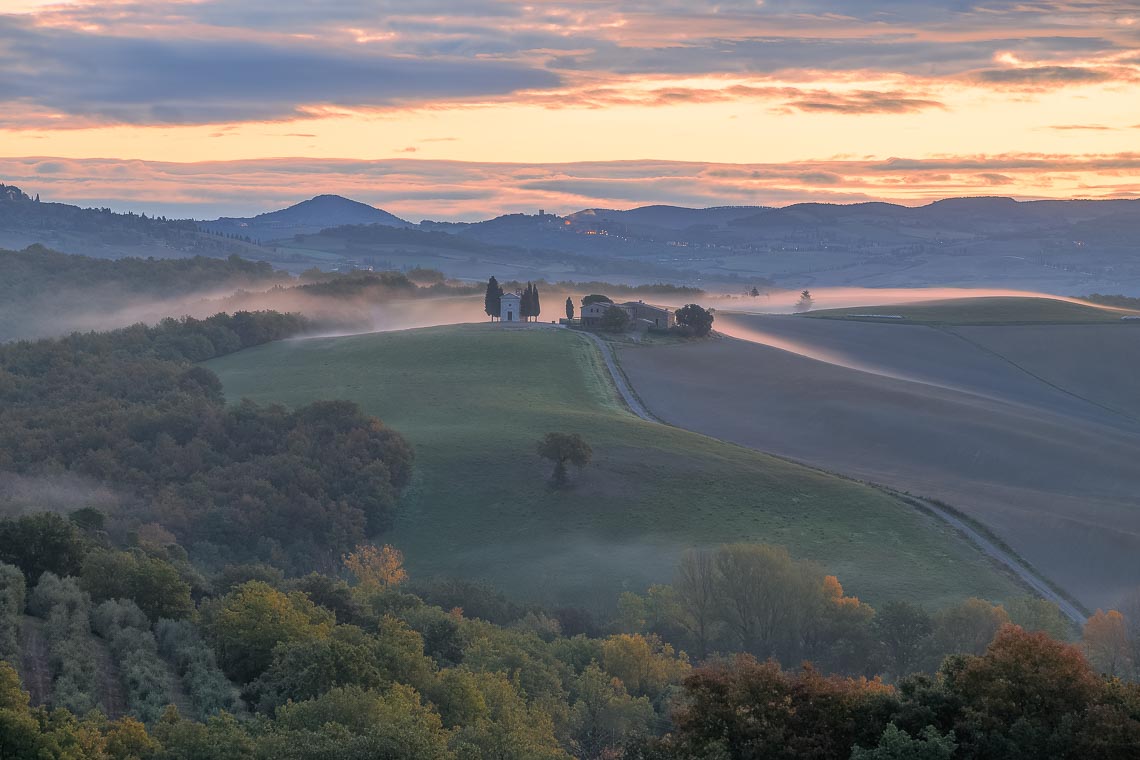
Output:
[[987, 544]]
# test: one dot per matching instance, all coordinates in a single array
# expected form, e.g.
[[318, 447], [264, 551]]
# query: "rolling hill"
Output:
[[474, 399], [987, 310], [1032, 429]]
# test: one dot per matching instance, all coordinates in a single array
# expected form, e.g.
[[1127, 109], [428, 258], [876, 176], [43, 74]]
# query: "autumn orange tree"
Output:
[[1106, 644], [376, 567]]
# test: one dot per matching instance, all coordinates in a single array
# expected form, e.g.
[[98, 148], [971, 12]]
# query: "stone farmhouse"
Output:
[[642, 315]]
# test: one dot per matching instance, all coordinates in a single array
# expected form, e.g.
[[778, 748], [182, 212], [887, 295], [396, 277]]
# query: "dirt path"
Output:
[[34, 669], [1032, 579], [1010, 561], [619, 379], [110, 694]]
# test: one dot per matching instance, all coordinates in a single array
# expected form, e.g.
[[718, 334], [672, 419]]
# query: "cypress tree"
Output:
[[569, 308], [535, 304], [491, 302], [525, 306]]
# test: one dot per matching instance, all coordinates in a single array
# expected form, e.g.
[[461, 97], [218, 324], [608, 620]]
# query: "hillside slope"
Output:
[[474, 399], [1030, 429]]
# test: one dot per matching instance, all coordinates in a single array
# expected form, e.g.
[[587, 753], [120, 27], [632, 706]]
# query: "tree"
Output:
[[596, 298], [896, 744], [695, 588], [1024, 698], [1130, 608], [524, 304], [530, 306], [155, 586], [644, 664], [754, 292], [903, 631], [1035, 614], [564, 449], [376, 568], [695, 319], [254, 618], [604, 715], [41, 542], [1106, 643], [806, 302], [967, 628], [569, 308], [615, 319], [491, 301]]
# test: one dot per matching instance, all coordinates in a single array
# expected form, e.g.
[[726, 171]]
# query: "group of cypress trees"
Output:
[[531, 306]]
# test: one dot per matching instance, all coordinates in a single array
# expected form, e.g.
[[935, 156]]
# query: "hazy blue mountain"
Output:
[[306, 218]]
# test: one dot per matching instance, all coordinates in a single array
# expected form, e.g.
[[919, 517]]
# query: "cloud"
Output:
[[1038, 75], [191, 81], [215, 61], [863, 102]]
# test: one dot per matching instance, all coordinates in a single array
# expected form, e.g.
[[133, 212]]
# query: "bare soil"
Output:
[[1026, 429], [35, 671]]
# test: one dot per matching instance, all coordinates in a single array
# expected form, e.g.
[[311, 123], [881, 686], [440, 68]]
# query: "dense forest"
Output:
[[129, 409], [365, 663]]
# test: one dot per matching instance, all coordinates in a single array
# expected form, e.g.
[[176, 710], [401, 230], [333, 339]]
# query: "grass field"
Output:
[[992, 310], [474, 399]]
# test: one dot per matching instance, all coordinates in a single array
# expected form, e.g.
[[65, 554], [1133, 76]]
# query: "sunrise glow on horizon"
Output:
[[458, 110]]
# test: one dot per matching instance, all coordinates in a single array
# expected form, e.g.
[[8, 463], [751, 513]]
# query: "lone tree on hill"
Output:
[[695, 319], [806, 302], [569, 308], [492, 303], [754, 292], [564, 449], [615, 319]]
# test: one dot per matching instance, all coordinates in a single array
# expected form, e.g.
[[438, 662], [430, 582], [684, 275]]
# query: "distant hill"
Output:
[[103, 233], [1060, 246], [667, 217], [306, 218]]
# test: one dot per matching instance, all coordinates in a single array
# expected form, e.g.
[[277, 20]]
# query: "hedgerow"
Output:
[[12, 599], [135, 650], [71, 652], [209, 689]]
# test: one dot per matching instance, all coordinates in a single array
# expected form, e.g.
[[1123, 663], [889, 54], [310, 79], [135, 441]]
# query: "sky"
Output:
[[464, 109]]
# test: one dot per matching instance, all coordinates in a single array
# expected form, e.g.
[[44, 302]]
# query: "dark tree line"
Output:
[[128, 408]]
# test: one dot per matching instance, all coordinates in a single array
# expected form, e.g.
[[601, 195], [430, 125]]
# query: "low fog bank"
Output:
[[787, 301], [61, 492], [64, 313]]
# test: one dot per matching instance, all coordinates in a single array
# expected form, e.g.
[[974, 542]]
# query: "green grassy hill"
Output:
[[474, 400], [988, 310]]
